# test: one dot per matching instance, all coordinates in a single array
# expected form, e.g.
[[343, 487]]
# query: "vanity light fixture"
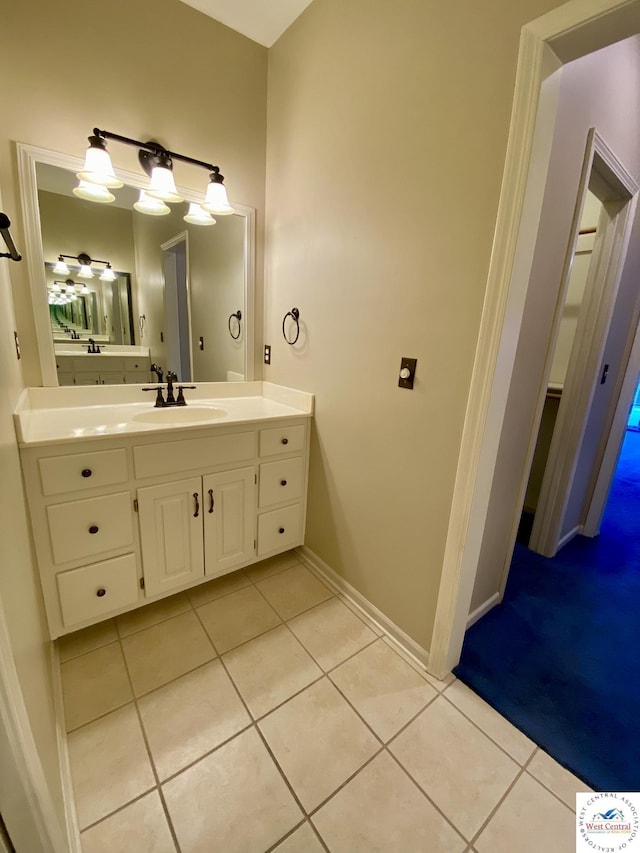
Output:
[[198, 216], [157, 162], [108, 274]]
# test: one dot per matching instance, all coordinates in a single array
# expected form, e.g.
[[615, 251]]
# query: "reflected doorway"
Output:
[[175, 264]]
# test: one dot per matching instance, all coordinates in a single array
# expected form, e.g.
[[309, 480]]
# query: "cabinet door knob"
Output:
[[197, 512], [102, 591], [211, 500], [281, 530], [87, 472], [94, 528], [283, 482], [285, 441]]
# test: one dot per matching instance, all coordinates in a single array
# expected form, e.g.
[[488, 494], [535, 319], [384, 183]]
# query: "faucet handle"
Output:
[[160, 403], [181, 401]]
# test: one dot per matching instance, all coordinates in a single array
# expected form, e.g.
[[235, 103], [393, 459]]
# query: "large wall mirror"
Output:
[[180, 294]]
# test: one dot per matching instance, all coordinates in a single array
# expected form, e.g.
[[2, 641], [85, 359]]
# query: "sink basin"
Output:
[[179, 415]]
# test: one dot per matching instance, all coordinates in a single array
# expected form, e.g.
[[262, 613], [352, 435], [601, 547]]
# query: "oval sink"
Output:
[[180, 415]]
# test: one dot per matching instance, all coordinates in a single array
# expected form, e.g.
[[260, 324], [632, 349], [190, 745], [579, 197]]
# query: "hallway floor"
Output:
[[261, 712]]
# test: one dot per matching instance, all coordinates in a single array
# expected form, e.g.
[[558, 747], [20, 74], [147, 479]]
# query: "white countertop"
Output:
[[66, 415], [79, 348]]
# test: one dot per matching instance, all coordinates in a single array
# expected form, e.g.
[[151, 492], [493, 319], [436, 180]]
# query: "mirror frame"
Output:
[[28, 157]]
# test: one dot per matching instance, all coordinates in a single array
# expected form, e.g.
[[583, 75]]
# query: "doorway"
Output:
[[549, 44], [177, 305]]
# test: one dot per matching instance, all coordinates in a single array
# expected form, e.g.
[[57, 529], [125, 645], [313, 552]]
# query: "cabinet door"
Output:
[[229, 519], [171, 534]]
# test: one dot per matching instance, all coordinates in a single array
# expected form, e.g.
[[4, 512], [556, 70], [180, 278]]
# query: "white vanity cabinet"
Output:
[[203, 526], [118, 522], [102, 369]]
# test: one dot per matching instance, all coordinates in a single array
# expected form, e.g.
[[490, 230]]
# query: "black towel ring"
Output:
[[295, 315], [238, 316]]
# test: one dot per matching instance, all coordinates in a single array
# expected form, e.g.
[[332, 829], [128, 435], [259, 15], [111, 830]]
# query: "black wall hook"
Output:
[[295, 316], [13, 253]]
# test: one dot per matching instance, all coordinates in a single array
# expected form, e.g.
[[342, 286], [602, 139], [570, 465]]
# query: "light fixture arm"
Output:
[[154, 149]]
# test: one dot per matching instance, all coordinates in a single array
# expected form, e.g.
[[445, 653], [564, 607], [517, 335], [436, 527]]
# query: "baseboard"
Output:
[[71, 815], [479, 612], [404, 642], [569, 536]]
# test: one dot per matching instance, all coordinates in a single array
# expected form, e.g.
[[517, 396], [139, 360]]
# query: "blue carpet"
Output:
[[560, 657]]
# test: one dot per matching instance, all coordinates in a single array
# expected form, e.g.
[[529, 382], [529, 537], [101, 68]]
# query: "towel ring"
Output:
[[238, 316], [295, 315]]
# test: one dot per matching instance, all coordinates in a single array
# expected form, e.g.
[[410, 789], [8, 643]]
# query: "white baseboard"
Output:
[[479, 612], [71, 815], [384, 625], [569, 536]]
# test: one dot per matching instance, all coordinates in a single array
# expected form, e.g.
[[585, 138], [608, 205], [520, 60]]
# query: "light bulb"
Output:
[[198, 216], [92, 192], [98, 168], [108, 274], [162, 185], [216, 200], [151, 206]]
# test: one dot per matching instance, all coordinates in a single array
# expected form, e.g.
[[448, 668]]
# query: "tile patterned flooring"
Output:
[[260, 712]]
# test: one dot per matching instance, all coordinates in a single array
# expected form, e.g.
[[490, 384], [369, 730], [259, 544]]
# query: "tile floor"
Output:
[[259, 712]]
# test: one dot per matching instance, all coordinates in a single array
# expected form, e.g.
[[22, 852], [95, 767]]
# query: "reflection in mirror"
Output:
[[176, 286]]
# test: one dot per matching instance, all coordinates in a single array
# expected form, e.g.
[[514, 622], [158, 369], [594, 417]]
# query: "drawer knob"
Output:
[[102, 591], [281, 530], [285, 441], [283, 482], [94, 528], [87, 472]]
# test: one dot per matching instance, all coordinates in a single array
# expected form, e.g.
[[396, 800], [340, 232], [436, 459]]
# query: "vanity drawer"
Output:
[[285, 439], [172, 457], [81, 529], [97, 590], [281, 481], [280, 529], [59, 474]]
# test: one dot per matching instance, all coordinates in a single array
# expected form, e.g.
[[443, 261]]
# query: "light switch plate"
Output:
[[407, 364]]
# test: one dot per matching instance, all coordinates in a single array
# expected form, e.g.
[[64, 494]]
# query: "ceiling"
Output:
[[263, 21]]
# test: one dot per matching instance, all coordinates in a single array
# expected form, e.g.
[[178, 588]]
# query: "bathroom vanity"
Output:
[[130, 503]]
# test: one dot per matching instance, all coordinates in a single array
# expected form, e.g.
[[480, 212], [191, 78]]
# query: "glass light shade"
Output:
[[92, 192], [162, 185], [198, 216], [61, 268], [151, 206], [55, 287], [108, 275], [85, 271], [84, 290], [216, 200], [98, 169]]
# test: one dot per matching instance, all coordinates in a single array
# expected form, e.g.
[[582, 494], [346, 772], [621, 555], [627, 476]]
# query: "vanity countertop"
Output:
[[47, 416], [79, 348]]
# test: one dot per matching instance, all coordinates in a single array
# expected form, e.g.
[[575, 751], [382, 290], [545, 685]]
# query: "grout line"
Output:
[[344, 784], [546, 787], [287, 835], [486, 734], [87, 651], [121, 808], [272, 574], [150, 755], [494, 811], [129, 701], [426, 795]]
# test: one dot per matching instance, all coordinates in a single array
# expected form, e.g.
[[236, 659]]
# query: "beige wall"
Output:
[[387, 130], [20, 595], [170, 74], [598, 90]]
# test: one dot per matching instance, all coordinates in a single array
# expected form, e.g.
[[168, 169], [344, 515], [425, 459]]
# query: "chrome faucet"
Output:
[[161, 403]]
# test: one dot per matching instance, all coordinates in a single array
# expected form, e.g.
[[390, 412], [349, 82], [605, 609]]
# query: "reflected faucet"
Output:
[[155, 368]]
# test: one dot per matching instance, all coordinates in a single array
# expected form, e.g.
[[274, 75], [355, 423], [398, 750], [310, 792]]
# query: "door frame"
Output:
[[564, 34], [174, 321], [602, 167]]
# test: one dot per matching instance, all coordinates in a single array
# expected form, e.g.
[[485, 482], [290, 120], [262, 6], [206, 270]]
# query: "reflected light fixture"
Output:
[[98, 176], [198, 216], [61, 268], [151, 206], [85, 263], [93, 192]]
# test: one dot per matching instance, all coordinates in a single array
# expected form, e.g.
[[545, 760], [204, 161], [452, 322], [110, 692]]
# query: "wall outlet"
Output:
[[267, 354]]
